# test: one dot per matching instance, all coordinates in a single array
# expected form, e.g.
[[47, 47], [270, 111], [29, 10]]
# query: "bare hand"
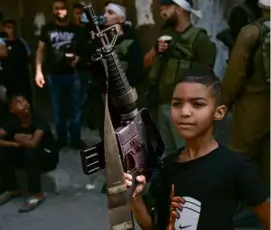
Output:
[[140, 187], [75, 61], [162, 46], [39, 79]]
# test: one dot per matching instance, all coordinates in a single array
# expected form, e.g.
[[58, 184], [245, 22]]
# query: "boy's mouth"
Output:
[[185, 125]]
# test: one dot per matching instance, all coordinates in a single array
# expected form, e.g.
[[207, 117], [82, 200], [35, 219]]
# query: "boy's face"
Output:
[[19, 106], [9, 28], [193, 109]]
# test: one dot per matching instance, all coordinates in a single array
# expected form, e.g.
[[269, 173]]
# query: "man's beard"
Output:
[[172, 20]]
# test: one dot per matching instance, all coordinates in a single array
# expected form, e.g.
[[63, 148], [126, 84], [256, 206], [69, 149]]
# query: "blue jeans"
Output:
[[56, 84]]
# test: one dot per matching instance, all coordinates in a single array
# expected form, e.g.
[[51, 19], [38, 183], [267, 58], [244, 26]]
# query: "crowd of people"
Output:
[[183, 94]]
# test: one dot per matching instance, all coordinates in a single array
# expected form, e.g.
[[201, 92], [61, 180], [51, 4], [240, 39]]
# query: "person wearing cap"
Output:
[[246, 92], [190, 47], [151, 54]]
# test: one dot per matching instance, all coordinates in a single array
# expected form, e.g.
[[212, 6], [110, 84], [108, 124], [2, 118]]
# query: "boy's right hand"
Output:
[[141, 183], [39, 79]]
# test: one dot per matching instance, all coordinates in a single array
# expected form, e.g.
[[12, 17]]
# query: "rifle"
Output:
[[134, 147]]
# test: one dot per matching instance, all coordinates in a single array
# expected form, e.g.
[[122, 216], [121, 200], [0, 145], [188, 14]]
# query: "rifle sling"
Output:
[[117, 197]]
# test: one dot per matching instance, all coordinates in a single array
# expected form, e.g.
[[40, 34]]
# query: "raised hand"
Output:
[[176, 203]]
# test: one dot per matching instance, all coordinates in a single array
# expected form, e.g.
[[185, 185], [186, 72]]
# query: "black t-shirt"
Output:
[[211, 186], [16, 64], [60, 40], [13, 126]]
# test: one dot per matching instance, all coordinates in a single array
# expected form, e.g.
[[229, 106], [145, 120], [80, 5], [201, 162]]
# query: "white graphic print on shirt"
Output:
[[60, 39], [189, 216]]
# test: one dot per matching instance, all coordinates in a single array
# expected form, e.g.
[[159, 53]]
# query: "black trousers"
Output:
[[27, 159]]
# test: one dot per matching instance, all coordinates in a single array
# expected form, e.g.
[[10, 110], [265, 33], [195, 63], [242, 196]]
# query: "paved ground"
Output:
[[75, 207]]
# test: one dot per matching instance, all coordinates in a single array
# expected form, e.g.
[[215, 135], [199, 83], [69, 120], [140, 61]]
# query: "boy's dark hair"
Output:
[[206, 77], [10, 21], [63, 1], [12, 96]]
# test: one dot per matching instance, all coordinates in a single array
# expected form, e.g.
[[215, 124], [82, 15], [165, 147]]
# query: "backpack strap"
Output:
[[263, 30], [188, 39]]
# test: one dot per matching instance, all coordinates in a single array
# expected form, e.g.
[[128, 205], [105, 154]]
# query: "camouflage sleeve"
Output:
[[204, 50], [236, 74]]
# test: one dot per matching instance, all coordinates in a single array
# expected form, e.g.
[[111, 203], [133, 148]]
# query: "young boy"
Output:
[[25, 141], [199, 187]]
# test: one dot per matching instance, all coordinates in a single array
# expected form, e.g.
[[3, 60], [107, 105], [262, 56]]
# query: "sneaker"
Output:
[[32, 203], [79, 144]]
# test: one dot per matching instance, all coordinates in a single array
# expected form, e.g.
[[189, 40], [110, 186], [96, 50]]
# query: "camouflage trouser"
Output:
[[262, 160], [167, 130], [260, 157]]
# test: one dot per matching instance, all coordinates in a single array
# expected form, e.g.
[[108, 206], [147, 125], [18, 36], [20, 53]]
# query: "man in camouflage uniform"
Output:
[[190, 46], [246, 92]]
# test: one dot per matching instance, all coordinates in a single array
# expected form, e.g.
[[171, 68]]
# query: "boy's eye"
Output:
[[198, 104], [176, 104]]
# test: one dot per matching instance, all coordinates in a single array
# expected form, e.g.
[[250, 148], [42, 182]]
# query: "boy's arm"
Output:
[[4, 143], [28, 141], [33, 140], [141, 213], [249, 189], [41, 49]]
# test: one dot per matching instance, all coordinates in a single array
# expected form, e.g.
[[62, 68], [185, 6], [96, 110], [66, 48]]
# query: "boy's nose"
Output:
[[185, 112]]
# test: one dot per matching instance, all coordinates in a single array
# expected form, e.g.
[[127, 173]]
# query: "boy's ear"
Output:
[[220, 112]]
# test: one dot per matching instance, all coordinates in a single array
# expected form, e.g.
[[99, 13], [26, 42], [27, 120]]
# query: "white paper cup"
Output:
[[165, 38]]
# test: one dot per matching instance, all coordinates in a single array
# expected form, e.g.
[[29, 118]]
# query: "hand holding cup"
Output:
[[163, 43]]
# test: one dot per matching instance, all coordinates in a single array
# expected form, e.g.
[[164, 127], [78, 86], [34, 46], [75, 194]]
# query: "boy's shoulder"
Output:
[[230, 154], [222, 154]]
